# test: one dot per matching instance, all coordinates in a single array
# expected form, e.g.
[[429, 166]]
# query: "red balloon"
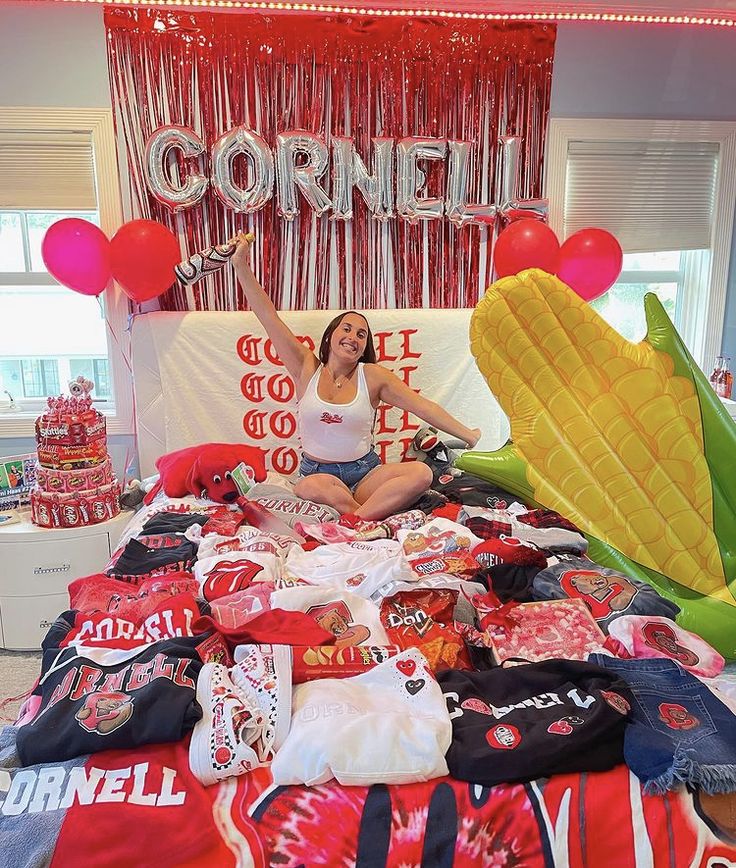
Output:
[[590, 262], [526, 244], [77, 254], [143, 254]]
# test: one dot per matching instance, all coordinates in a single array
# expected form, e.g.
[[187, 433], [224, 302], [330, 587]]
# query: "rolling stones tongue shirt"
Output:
[[607, 593], [230, 572], [524, 722]]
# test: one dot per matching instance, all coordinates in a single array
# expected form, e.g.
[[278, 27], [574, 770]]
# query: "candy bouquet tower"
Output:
[[76, 484]]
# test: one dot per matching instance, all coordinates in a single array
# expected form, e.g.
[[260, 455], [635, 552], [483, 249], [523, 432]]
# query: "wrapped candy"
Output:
[[223, 522], [85, 478], [75, 509], [541, 631]]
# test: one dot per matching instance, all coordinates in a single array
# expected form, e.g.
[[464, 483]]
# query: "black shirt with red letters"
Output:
[[517, 723], [95, 699]]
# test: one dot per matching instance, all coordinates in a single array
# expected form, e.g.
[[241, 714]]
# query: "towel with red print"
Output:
[[523, 722], [111, 808]]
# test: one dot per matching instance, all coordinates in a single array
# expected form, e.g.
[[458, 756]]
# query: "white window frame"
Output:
[[98, 123], [702, 323]]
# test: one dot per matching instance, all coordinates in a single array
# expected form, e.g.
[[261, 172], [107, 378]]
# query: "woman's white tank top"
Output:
[[336, 432]]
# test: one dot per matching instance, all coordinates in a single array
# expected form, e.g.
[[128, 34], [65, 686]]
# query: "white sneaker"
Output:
[[220, 745], [262, 674]]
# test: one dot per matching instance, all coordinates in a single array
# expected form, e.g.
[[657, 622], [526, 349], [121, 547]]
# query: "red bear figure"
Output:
[[206, 471]]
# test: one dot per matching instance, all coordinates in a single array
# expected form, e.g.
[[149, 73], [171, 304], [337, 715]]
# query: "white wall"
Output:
[[644, 71], [650, 71], [53, 54]]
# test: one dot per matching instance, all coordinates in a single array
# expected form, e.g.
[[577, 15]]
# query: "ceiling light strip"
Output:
[[265, 6]]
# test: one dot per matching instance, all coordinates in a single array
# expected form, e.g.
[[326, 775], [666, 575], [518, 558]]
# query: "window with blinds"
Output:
[[652, 195], [47, 171], [45, 176]]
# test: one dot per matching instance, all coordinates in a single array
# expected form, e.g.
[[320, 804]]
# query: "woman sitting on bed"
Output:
[[338, 394]]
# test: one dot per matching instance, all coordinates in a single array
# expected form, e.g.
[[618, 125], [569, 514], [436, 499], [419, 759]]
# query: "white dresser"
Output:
[[37, 564]]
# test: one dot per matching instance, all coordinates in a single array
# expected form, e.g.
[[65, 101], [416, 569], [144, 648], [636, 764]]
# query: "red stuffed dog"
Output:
[[205, 471]]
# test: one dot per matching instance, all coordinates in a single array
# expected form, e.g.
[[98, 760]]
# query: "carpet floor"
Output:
[[18, 673]]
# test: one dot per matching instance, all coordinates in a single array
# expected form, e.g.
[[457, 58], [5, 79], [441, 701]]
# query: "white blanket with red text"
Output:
[[215, 377]]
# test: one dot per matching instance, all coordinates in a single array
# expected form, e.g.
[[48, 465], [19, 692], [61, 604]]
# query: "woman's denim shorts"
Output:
[[348, 472]]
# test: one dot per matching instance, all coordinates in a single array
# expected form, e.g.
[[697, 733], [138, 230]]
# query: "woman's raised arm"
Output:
[[393, 391], [299, 360]]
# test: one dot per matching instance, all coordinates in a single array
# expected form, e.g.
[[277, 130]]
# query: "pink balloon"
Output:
[[590, 262], [77, 254]]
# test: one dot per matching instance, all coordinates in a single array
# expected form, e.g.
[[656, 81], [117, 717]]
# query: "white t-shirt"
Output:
[[248, 539], [389, 725], [352, 619], [439, 546], [360, 567], [440, 536], [228, 573]]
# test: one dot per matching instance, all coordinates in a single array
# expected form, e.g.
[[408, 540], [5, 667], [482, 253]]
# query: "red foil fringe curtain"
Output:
[[332, 75]]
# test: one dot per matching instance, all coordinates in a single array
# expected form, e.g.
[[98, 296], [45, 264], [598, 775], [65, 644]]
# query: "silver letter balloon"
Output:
[[159, 155], [243, 141], [410, 179], [301, 158]]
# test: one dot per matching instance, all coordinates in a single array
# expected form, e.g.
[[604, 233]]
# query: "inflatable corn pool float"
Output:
[[627, 440]]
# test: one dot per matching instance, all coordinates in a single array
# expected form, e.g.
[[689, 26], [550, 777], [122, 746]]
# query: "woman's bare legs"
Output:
[[390, 488], [326, 489]]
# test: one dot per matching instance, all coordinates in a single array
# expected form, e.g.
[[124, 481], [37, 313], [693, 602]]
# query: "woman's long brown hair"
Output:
[[369, 354]]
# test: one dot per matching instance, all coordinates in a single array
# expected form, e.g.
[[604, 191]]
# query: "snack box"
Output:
[[544, 630]]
